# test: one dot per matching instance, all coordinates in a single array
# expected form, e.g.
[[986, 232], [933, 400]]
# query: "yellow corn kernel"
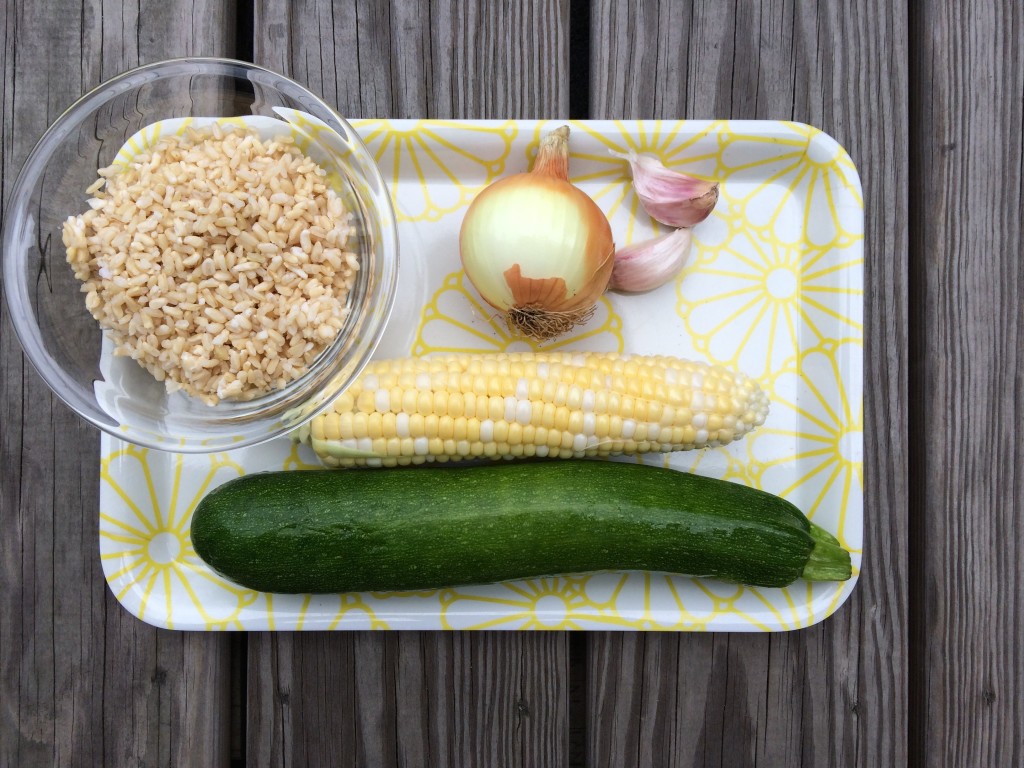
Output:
[[495, 408], [446, 427], [456, 405], [575, 422], [562, 419], [548, 415], [424, 403], [408, 401], [440, 403], [366, 403]]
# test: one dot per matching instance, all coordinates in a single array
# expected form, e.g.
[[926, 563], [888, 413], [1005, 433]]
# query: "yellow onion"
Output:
[[537, 248]]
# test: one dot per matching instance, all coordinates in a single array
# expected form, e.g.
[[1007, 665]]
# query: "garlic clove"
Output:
[[652, 263], [669, 196]]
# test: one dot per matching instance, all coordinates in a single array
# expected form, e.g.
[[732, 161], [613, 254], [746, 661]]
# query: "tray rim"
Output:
[[761, 128]]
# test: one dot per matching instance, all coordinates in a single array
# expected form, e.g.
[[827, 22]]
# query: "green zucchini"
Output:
[[419, 528]]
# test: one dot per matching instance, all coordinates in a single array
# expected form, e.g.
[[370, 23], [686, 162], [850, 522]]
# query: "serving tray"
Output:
[[773, 287]]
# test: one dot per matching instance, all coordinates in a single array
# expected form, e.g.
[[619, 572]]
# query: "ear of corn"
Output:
[[565, 405]]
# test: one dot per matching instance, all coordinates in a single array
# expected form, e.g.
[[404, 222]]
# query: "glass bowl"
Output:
[[65, 343]]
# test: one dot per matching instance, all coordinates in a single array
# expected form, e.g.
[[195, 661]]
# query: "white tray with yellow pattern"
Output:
[[773, 287]]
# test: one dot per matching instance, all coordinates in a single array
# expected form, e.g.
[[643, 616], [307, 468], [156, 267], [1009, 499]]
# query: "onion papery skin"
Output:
[[534, 240]]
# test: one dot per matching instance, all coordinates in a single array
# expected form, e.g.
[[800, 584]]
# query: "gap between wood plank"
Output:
[[245, 30], [579, 109], [916, 437], [578, 666], [238, 664], [579, 59], [238, 661]]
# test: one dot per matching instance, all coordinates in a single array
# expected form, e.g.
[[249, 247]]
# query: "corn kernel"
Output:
[[496, 408], [408, 401], [425, 403], [366, 402], [374, 428], [548, 416], [456, 405], [344, 404], [575, 422], [562, 419]]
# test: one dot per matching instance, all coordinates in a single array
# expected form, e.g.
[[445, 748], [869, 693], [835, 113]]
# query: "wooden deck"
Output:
[[922, 666]]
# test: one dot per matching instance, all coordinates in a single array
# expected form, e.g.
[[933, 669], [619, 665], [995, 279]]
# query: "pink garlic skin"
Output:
[[668, 196], [652, 263]]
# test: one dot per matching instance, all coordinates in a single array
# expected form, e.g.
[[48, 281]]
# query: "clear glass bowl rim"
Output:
[[27, 330]]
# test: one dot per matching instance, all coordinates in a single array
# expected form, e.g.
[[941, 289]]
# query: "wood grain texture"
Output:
[[968, 379], [834, 694], [414, 698], [436, 59], [408, 698], [81, 681]]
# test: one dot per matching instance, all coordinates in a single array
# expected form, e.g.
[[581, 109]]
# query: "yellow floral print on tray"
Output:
[[774, 287]]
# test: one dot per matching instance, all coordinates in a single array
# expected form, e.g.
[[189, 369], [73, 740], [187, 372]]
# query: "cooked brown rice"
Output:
[[216, 260]]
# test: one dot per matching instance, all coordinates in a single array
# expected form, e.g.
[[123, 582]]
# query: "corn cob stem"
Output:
[[566, 405]]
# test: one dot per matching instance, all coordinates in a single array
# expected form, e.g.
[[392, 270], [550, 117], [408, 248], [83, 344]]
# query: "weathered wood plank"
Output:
[[968, 400], [422, 59], [409, 698], [414, 698], [81, 681], [834, 694]]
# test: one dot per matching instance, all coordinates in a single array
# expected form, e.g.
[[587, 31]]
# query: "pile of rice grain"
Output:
[[216, 260]]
